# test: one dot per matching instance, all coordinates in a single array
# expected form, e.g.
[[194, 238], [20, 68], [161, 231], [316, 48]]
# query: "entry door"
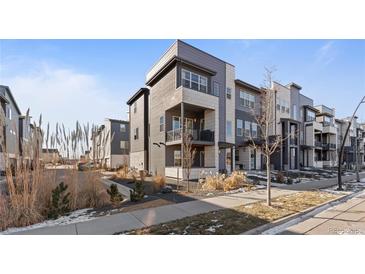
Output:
[[201, 159]]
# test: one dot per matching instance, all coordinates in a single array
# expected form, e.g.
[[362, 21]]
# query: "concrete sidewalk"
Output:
[[345, 218], [108, 225]]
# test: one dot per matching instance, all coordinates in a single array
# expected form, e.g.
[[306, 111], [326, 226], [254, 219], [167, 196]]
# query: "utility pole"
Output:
[[357, 159], [339, 175]]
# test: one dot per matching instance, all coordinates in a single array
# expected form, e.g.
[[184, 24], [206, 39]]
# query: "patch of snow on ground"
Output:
[[213, 228], [77, 216]]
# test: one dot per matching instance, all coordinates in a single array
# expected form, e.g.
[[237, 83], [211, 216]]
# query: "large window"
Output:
[[246, 99], [311, 115], [194, 81], [162, 123], [177, 158], [229, 129], [295, 112], [239, 127], [327, 120]]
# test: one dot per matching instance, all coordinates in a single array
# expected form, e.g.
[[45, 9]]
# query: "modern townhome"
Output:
[[192, 93], [354, 143], [11, 133], [247, 108], [187, 95], [110, 144]]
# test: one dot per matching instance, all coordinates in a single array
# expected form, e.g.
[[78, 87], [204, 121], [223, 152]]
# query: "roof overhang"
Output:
[[247, 85], [172, 62]]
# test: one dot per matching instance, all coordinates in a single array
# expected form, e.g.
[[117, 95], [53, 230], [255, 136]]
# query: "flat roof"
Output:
[[138, 94]]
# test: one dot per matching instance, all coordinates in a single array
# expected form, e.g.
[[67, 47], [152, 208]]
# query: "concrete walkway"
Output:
[[345, 218], [108, 225]]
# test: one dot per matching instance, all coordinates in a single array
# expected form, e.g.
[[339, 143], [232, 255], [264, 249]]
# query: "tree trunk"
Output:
[[268, 171]]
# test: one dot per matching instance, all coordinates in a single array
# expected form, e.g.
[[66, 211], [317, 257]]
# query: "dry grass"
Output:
[[226, 183], [29, 185], [241, 219], [160, 180]]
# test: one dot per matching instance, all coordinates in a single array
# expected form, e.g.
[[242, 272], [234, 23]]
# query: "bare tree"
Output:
[[188, 156], [268, 140]]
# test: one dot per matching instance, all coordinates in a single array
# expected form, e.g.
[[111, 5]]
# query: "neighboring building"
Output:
[[10, 133], [50, 155], [111, 144], [191, 91], [139, 124]]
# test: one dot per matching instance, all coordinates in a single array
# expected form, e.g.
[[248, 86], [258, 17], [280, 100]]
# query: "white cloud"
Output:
[[326, 54], [64, 95]]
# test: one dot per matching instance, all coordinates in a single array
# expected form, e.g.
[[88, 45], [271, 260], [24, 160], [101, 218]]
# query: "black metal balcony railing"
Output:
[[293, 141], [196, 135], [329, 146], [318, 143]]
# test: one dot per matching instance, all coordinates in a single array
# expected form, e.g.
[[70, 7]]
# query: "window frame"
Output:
[[162, 123], [239, 129], [199, 82], [177, 160]]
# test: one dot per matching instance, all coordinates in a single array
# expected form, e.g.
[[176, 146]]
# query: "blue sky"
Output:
[[89, 80]]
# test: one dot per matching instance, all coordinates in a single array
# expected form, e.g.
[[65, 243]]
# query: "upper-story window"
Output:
[[229, 93], [135, 107], [216, 89], [10, 116], [311, 115], [162, 123], [194, 81], [283, 106], [295, 112], [247, 99], [327, 120], [123, 128], [247, 129], [254, 130], [229, 129], [239, 127]]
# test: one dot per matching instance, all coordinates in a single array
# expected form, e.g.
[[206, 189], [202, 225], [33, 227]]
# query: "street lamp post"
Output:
[[343, 146]]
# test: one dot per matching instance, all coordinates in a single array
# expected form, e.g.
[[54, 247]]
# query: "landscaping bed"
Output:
[[240, 219]]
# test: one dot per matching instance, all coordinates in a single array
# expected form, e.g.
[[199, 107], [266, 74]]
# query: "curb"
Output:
[[280, 225]]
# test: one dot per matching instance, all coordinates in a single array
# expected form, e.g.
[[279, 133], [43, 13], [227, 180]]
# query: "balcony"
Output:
[[328, 128], [318, 144], [329, 146], [203, 137]]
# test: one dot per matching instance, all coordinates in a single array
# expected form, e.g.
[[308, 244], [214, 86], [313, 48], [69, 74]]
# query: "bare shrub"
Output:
[[218, 181], [160, 180]]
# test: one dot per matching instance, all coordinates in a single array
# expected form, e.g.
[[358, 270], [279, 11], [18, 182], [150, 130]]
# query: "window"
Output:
[[246, 99], [295, 114], [175, 122], [237, 155], [311, 115], [162, 123], [327, 120], [216, 89], [239, 127], [123, 128], [9, 113], [229, 129], [135, 107], [177, 158], [136, 133], [229, 93], [124, 144], [194, 81], [247, 129], [254, 130]]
